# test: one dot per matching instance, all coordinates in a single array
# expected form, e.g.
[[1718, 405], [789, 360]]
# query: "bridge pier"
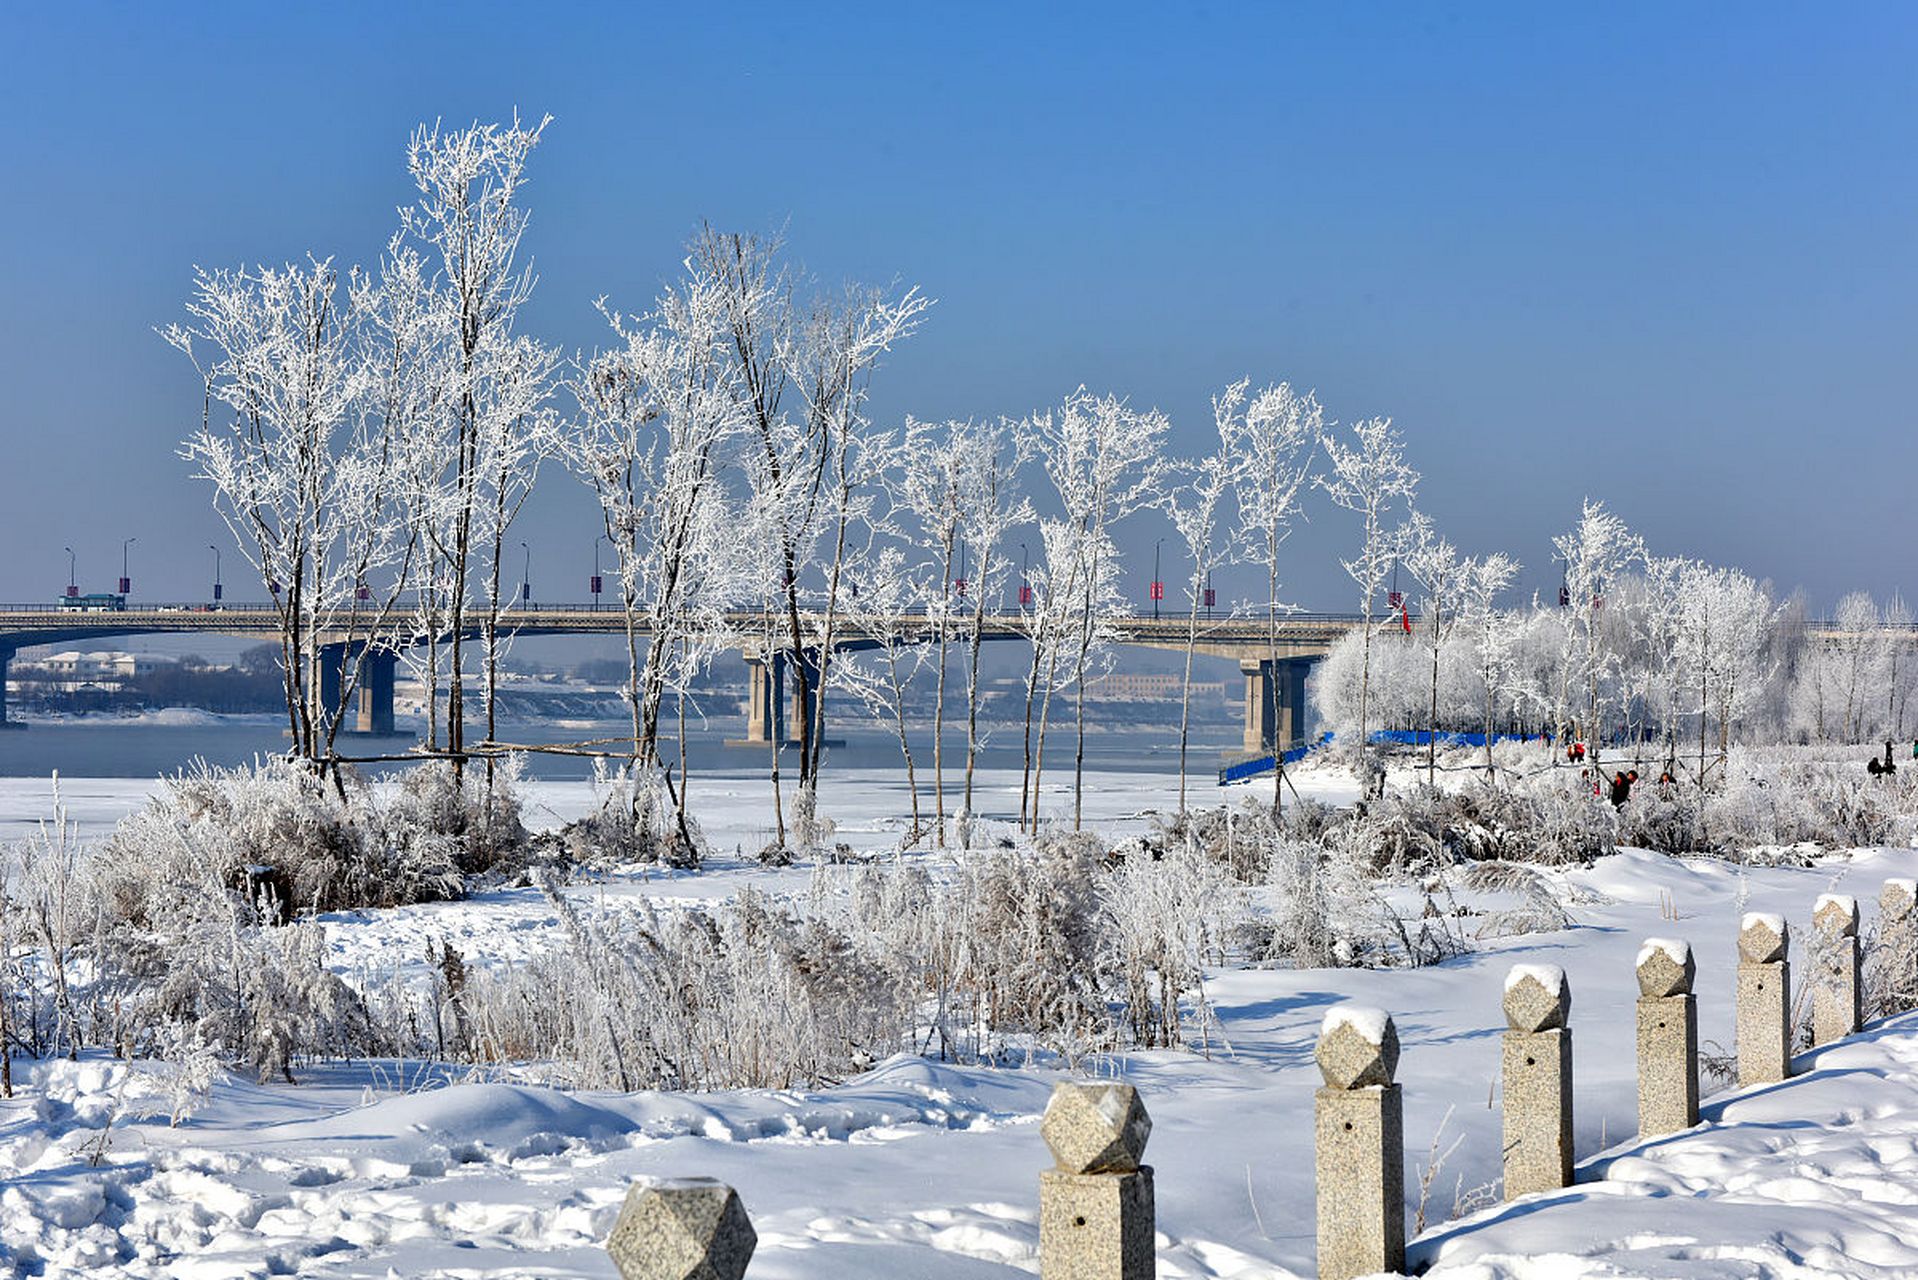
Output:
[[6, 657], [767, 712], [1274, 703], [332, 676], [376, 693], [372, 709], [765, 699]]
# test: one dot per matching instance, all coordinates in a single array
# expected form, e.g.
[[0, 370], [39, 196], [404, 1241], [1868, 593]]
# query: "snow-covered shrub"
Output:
[[1532, 904], [636, 821], [745, 994], [481, 819], [1303, 930], [1164, 920], [326, 842], [1239, 838], [1767, 799]]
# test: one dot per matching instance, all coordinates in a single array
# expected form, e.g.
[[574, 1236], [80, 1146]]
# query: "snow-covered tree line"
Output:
[[1667, 661], [372, 434]]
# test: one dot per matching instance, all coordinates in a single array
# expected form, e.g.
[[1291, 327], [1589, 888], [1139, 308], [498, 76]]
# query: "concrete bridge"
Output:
[[1274, 685]]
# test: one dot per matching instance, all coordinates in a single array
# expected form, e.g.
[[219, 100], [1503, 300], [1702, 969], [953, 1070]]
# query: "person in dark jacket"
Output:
[[1621, 790]]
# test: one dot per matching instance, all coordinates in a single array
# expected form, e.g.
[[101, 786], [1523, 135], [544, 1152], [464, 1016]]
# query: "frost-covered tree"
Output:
[[933, 487], [1195, 508], [1271, 438], [1436, 566], [516, 436], [658, 419], [801, 371], [1493, 633], [894, 596], [831, 366], [468, 223], [1369, 476], [1724, 618], [1100, 456], [308, 469], [1596, 555], [990, 508]]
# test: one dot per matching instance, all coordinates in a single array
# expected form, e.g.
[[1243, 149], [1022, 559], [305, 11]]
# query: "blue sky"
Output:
[[1661, 255]]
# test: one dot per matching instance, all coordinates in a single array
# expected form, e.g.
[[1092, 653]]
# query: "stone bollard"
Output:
[[1095, 1207], [682, 1229], [1764, 999], [1538, 1080], [1898, 946], [1667, 1038], [1835, 996], [1361, 1145]]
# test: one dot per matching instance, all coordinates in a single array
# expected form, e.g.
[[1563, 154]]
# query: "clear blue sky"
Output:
[[1663, 255]]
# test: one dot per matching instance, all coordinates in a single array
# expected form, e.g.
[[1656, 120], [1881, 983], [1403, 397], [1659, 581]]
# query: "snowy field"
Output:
[[924, 1169]]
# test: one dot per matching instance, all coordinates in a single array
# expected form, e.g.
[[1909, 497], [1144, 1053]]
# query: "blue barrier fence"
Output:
[[1258, 766]]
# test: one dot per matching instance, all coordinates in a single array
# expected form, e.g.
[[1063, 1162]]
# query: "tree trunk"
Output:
[[939, 704], [972, 681], [1038, 640]]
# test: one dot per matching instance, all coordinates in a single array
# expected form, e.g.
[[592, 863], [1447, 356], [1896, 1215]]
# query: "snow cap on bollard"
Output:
[[682, 1229], [1096, 1128], [1763, 937], [1537, 997], [1665, 968], [1358, 1047], [1836, 913], [1899, 896]]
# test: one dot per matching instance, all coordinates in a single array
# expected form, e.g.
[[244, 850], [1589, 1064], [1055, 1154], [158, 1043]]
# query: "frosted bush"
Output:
[[311, 843], [636, 821]]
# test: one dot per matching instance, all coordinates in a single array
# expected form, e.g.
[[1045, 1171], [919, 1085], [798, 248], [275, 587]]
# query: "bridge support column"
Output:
[[6, 656], [765, 700], [332, 678], [817, 711], [1274, 703], [376, 693]]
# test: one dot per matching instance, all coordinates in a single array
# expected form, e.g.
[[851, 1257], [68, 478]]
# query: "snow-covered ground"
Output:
[[923, 1169]]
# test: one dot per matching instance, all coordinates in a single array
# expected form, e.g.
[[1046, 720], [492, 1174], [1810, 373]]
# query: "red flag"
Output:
[[1405, 619]]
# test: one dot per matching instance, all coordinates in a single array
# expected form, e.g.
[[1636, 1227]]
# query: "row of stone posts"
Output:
[[1096, 1216]]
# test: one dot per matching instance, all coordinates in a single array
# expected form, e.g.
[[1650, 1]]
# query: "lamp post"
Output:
[[1158, 587], [218, 589], [526, 576], [126, 580], [73, 575], [1025, 591], [596, 580]]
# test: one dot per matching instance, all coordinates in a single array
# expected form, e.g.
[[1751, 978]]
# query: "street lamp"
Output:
[[526, 576], [1158, 586], [218, 590], [126, 581], [1025, 588], [596, 579], [73, 576]]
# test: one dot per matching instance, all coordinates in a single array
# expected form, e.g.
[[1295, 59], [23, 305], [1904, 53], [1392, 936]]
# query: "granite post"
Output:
[[1764, 999], [1836, 1003], [1667, 1038], [1360, 1145], [1538, 1080], [1095, 1205], [1898, 946], [682, 1229]]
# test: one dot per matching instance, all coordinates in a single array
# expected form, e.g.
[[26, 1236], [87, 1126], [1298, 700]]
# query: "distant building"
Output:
[[1132, 686], [75, 671]]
